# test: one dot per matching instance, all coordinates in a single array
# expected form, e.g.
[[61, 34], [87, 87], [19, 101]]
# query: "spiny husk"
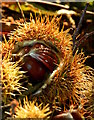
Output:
[[7, 47], [0, 56], [90, 95], [71, 84], [10, 78], [32, 110], [44, 29]]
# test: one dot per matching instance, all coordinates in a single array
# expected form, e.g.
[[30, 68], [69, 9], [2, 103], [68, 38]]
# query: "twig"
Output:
[[82, 40], [79, 25], [21, 11], [48, 3]]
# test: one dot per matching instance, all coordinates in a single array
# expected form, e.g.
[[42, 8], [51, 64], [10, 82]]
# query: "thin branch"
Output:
[[21, 11], [82, 40], [79, 25], [48, 3]]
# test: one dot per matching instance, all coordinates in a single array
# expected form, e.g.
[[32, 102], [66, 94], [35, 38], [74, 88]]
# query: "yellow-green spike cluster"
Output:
[[32, 110], [10, 78]]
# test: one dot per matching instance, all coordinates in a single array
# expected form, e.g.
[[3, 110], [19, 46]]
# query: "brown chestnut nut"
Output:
[[73, 115], [40, 58], [63, 116], [76, 115]]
